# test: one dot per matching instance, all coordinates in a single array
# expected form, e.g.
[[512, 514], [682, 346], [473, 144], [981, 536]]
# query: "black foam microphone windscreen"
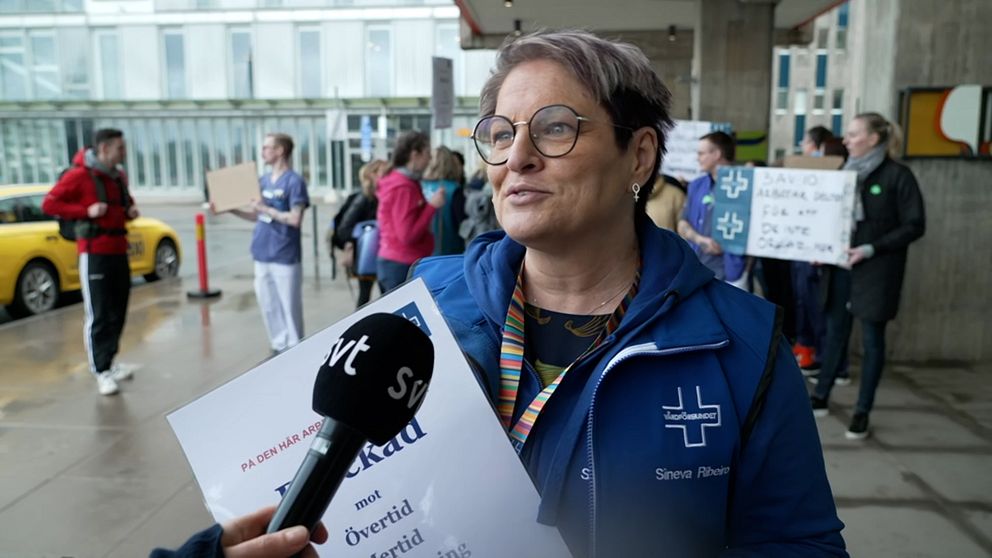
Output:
[[369, 387]]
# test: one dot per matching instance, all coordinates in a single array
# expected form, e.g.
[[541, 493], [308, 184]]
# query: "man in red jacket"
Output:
[[101, 240]]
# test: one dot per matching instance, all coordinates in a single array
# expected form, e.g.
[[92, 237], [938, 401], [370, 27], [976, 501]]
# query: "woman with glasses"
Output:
[[655, 408]]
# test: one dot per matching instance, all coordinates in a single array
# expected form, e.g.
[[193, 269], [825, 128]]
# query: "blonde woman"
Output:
[[444, 171], [362, 209]]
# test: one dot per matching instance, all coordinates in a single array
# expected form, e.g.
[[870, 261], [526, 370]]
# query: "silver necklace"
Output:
[[533, 301]]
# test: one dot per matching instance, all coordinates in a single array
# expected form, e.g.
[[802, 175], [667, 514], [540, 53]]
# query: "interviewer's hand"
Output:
[[245, 537]]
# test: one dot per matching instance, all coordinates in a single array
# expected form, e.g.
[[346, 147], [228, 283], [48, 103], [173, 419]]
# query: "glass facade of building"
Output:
[[198, 90]]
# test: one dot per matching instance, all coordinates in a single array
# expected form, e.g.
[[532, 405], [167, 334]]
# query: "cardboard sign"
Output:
[[233, 187], [450, 484], [827, 162], [787, 214]]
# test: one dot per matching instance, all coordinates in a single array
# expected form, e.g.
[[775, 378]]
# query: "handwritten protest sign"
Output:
[[789, 214], [682, 143], [448, 485]]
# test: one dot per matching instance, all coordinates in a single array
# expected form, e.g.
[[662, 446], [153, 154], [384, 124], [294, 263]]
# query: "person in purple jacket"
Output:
[[716, 149]]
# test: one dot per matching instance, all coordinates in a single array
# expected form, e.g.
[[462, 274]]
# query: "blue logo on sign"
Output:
[[732, 208], [412, 313]]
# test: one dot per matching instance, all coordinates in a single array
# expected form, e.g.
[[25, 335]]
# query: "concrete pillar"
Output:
[[671, 57], [732, 66], [944, 315]]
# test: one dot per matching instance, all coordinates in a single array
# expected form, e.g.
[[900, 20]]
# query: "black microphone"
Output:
[[368, 389]]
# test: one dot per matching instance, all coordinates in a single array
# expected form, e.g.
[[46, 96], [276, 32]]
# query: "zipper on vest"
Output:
[[643, 349]]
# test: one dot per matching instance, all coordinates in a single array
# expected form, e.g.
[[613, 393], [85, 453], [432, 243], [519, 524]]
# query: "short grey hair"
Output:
[[618, 76]]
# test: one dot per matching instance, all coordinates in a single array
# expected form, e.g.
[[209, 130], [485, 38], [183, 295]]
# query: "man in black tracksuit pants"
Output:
[[94, 193]]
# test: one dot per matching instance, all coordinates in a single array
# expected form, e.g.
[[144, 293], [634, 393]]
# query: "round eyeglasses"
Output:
[[554, 131]]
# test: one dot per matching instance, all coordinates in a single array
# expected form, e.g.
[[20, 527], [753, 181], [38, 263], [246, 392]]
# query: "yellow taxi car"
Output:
[[37, 265]]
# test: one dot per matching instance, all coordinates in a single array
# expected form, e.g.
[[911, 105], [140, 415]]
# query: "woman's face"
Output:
[[550, 203], [808, 146], [419, 159], [709, 156], [858, 140]]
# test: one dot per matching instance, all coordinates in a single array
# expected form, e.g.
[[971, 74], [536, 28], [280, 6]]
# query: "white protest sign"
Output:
[[682, 143], [442, 92], [788, 214], [449, 485]]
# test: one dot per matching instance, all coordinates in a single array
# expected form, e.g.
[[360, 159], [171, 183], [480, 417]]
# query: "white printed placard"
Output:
[[449, 485], [787, 214], [682, 145]]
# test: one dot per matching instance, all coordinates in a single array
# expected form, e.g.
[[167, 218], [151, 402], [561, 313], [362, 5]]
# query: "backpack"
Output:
[[338, 239], [366, 236], [480, 215], [73, 229]]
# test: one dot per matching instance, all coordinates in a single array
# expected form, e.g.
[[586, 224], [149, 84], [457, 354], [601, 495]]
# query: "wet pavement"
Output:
[[82, 475]]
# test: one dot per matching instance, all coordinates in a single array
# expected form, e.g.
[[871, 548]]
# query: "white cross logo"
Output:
[[734, 183], [705, 416], [729, 225]]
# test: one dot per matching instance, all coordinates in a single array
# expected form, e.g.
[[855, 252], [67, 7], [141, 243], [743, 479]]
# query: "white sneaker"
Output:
[[121, 371], [106, 384], [843, 381]]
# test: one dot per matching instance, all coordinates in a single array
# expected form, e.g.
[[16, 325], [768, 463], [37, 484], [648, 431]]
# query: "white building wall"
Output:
[[843, 72], [274, 58], [478, 64], [412, 51], [141, 62], [208, 48], [344, 49]]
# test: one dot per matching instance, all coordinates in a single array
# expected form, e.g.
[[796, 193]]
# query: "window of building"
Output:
[[837, 113], [782, 101], [379, 62], [799, 109], [819, 94], [109, 60], [818, 101], [241, 64], [40, 6], [782, 92], [74, 43], [821, 37], [13, 67], [310, 67], [799, 132], [821, 70], [44, 65], [783, 69], [843, 13], [175, 64], [779, 155], [799, 101]]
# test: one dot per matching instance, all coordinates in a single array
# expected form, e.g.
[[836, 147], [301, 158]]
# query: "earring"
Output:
[[636, 189]]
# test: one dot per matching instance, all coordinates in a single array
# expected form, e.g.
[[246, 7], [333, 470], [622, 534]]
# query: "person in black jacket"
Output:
[[362, 209], [888, 216]]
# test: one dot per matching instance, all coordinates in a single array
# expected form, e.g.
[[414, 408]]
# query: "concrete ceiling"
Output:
[[491, 18]]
